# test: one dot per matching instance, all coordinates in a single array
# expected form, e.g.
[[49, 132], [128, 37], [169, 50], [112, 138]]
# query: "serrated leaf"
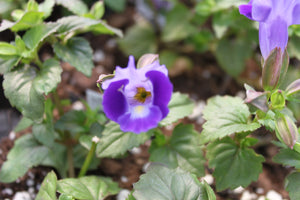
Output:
[[225, 116], [103, 28], [26, 153], [28, 20], [234, 166], [182, 151], [78, 7], [131, 44], [180, 106], [38, 33], [97, 10], [88, 187], [72, 122], [48, 77], [43, 133], [73, 23], [292, 185], [8, 63], [162, 183], [115, 142], [46, 7], [288, 157], [19, 89], [23, 124], [48, 188], [78, 53]]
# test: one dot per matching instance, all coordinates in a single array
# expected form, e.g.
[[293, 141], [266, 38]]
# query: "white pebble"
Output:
[[262, 198], [241, 94], [248, 196], [124, 179], [22, 196], [12, 135], [145, 167], [260, 190], [98, 55], [273, 195], [198, 110], [30, 182], [38, 186], [78, 105], [238, 190], [208, 178], [7, 191], [31, 175], [136, 150], [31, 190], [123, 194]]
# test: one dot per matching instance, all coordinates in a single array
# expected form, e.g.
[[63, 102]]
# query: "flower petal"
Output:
[[246, 10], [114, 102], [128, 123], [296, 14], [162, 90], [261, 10]]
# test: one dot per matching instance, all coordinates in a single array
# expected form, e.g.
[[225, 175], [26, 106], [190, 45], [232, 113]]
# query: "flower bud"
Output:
[[274, 69], [277, 100], [147, 59], [257, 99], [286, 131], [293, 91]]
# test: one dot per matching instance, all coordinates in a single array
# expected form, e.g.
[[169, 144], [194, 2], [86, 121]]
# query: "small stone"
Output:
[[208, 178], [136, 150], [273, 195], [31, 175], [145, 167], [7, 191], [78, 105], [123, 194], [12, 135], [262, 198], [24, 195], [30, 182], [98, 55], [241, 94], [38, 186], [31, 190], [260, 190], [248, 196], [124, 179], [238, 190]]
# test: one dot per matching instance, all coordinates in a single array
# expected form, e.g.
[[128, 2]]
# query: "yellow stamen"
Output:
[[142, 94]]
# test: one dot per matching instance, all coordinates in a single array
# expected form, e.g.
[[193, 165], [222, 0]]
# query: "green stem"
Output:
[[58, 104], [88, 160], [70, 161]]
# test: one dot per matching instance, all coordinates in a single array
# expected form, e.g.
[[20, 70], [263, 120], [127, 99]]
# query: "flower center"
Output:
[[141, 94]]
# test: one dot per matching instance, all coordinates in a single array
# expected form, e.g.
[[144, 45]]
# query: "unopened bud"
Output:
[[147, 59], [277, 100], [274, 69], [293, 91], [102, 78], [286, 131]]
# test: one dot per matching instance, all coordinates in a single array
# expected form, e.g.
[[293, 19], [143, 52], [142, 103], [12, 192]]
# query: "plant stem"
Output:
[[57, 103], [70, 161], [88, 160]]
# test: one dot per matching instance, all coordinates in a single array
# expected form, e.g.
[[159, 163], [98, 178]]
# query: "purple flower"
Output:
[[274, 17], [137, 99]]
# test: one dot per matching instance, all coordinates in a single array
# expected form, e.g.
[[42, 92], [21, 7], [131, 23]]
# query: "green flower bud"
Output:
[[274, 69], [277, 100], [286, 131]]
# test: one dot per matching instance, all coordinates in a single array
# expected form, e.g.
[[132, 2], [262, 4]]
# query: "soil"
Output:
[[204, 80]]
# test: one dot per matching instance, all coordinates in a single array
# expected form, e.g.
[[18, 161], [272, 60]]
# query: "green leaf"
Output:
[[23, 124], [233, 61], [97, 10], [103, 28], [26, 153], [37, 34], [20, 91], [78, 53], [116, 5], [139, 40], [177, 25], [292, 185], [48, 188], [78, 7], [88, 187], [65, 197], [80, 153], [46, 7], [182, 151], [28, 20], [168, 184], [72, 122], [234, 166], [7, 49], [293, 47], [44, 133], [73, 23], [288, 157], [32, 5], [8, 63], [48, 77], [225, 116], [180, 106], [115, 142]]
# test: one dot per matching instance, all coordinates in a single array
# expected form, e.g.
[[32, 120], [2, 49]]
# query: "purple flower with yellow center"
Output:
[[274, 17], [137, 99]]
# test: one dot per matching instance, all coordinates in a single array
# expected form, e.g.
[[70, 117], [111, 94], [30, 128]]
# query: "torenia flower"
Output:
[[274, 17], [137, 99]]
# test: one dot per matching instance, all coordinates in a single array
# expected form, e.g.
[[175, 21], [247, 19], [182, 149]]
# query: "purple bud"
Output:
[[274, 69], [293, 91], [286, 131]]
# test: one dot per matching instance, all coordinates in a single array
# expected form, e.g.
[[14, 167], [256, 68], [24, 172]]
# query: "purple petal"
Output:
[[162, 90], [263, 40], [246, 10], [114, 102], [261, 10], [138, 125], [296, 14]]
